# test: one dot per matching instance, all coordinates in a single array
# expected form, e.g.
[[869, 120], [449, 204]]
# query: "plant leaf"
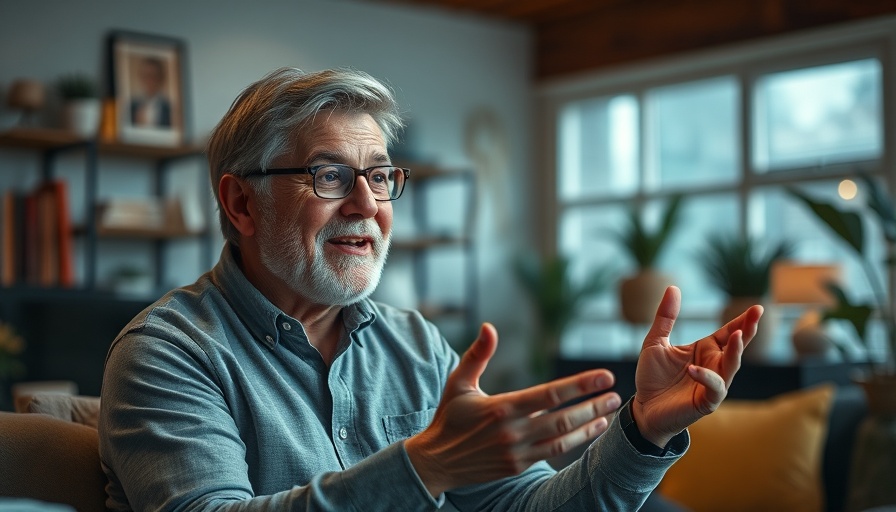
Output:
[[856, 314], [881, 204], [847, 225]]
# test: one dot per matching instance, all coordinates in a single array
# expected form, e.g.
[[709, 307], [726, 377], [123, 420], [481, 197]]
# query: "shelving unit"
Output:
[[67, 330], [50, 144], [426, 241]]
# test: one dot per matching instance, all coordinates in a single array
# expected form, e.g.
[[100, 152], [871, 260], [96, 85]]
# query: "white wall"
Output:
[[442, 67]]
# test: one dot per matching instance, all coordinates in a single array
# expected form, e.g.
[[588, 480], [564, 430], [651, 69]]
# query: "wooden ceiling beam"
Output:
[[638, 30]]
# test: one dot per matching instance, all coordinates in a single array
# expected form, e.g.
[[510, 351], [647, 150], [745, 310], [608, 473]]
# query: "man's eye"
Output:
[[330, 177], [379, 177]]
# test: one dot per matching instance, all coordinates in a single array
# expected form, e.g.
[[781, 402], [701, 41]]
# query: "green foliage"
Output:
[[848, 227], [737, 265], [643, 245], [558, 299], [76, 86], [11, 347]]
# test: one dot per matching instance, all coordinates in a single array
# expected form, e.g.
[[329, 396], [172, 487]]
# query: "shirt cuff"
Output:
[[390, 477], [676, 446]]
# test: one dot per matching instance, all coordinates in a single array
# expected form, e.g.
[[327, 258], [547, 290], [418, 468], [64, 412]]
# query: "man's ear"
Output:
[[235, 195]]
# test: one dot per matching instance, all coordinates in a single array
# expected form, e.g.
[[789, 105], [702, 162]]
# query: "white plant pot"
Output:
[[82, 117]]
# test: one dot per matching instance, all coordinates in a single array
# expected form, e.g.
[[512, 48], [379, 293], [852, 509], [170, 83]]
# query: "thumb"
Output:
[[475, 359], [666, 313]]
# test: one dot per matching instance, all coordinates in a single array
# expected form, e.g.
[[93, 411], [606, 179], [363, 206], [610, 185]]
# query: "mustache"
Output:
[[340, 227]]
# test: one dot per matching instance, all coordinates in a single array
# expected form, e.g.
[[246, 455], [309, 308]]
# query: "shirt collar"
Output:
[[259, 314]]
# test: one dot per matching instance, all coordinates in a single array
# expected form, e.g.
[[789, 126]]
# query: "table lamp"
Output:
[[27, 95], [805, 285]]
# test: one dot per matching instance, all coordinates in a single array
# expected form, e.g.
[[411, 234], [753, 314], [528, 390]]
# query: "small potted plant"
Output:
[[80, 104], [742, 270], [640, 294], [558, 298]]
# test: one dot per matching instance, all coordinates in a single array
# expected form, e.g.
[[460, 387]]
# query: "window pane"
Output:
[[818, 115], [694, 128], [701, 217], [597, 147], [585, 237]]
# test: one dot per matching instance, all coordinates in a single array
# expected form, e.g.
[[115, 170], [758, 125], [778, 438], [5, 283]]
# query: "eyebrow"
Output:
[[331, 157]]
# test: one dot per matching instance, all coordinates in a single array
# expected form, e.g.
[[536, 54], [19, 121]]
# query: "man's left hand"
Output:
[[677, 385]]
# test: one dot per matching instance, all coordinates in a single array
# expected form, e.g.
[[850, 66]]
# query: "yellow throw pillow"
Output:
[[754, 455]]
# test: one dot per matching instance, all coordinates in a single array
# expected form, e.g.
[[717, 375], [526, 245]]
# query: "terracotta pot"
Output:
[[758, 349], [640, 294]]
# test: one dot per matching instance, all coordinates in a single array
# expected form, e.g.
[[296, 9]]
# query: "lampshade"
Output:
[[26, 94], [793, 283]]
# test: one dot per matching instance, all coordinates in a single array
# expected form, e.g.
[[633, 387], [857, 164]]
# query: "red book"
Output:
[[66, 271]]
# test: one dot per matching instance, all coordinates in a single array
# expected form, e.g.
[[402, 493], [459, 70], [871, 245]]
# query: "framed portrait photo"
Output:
[[146, 75]]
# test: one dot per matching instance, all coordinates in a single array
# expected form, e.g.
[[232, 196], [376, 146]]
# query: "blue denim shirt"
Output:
[[214, 399]]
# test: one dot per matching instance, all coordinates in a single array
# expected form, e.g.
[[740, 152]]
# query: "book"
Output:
[[64, 244], [8, 270]]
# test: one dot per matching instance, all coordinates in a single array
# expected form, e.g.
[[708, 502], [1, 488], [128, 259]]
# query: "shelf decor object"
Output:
[[27, 95], [81, 104], [147, 76], [805, 286]]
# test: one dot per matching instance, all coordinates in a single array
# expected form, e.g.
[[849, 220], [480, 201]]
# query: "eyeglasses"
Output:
[[335, 181]]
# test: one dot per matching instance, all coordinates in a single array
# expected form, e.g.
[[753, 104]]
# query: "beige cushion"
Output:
[[79, 409], [51, 460]]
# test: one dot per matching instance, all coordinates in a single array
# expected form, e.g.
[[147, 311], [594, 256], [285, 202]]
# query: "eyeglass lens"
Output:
[[337, 181]]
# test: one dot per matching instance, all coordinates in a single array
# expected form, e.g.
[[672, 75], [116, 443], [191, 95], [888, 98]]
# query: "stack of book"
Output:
[[36, 237]]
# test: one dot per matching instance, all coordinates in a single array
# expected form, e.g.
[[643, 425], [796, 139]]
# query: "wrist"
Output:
[[428, 470], [644, 428]]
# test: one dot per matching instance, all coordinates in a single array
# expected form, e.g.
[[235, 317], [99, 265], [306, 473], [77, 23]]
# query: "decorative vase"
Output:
[[640, 294], [872, 478], [760, 345], [82, 117]]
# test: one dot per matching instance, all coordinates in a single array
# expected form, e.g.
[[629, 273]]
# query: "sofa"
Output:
[[50, 453]]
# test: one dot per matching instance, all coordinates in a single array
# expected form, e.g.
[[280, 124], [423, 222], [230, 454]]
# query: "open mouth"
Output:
[[355, 245], [356, 242]]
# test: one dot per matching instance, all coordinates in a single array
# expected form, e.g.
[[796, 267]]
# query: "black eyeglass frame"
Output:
[[312, 170]]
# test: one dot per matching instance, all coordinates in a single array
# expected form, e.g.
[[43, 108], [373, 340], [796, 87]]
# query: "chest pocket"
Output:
[[406, 425]]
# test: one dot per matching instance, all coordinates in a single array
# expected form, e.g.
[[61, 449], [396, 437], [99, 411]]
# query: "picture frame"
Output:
[[147, 81]]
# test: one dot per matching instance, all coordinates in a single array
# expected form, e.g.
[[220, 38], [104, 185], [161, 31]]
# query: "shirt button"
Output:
[[269, 338], [286, 326], [343, 433]]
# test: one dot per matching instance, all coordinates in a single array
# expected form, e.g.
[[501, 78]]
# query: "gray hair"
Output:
[[265, 119]]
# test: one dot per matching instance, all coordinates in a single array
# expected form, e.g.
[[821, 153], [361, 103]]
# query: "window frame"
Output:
[[747, 63]]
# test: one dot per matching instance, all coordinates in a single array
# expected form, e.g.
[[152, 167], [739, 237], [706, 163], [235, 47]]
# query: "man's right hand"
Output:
[[476, 438]]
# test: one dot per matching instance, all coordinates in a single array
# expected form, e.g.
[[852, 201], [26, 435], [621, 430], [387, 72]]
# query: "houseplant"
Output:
[[558, 299], [80, 104], [639, 294], [848, 226], [874, 457], [742, 270]]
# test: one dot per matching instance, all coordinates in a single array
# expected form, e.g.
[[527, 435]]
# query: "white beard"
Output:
[[344, 279]]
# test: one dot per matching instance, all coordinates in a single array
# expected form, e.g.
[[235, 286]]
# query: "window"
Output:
[[730, 133], [818, 115]]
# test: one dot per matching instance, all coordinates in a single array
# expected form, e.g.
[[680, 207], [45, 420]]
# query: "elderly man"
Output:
[[275, 383]]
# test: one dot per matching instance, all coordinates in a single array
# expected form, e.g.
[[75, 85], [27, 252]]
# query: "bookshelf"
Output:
[[429, 239], [49, 144]]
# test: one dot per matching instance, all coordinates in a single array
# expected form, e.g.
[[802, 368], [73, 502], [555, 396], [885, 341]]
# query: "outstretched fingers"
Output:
[[568, 422], [731, 356], [664, 320], [474, 361], [557, 392], [747, 322]]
